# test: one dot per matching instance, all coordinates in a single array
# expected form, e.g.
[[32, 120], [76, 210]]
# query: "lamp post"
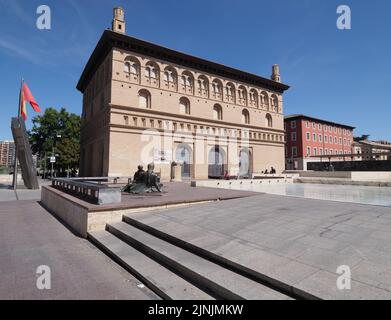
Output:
[[58, 136]]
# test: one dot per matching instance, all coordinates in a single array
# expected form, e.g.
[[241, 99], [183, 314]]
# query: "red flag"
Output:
[[28, 97], [22, 107]]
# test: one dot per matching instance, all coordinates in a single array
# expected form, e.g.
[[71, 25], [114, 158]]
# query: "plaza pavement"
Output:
[[299, 241], [30, 237]]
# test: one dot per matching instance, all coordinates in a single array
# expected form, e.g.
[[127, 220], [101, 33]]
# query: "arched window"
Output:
[[269, 121], [152, 71], [170, 77], [254, 98], [242, 95], [217, 89], [144, 99], [184, 106], [245, 116], [217, 112], [203, 86], [230, 92], [274, 100], [187, 81], [131, 66], [265, 100], [132, 69]]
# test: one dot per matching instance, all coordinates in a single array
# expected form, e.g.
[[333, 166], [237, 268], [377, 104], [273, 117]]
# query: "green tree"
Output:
[[361, 138], [57, 131]]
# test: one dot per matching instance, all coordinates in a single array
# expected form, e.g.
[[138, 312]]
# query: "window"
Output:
[[320, 151], [203, 85], [313, 125], [330, 129], [294, 151], [344, 141], [131, 66], [170, 76], [216, 86], [254, 98], [315, 152], [184, 106], [331, 139], [293, 136], [340, 141], [325, 139], [314, 137], [217, 112], [319, 126], [335, 140], [151, 71], [308, 136], [293, 124], [242, 94], [265, 99], [187, 81], [269, 120], [320, 138], [307, 124], [308, 151], [245, 116], [326, 152], [144, 99], [274, 99], [331, 151]]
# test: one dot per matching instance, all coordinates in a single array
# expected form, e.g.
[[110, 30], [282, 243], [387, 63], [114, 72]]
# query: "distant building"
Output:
[[7, 153], [372, 150], [308, 138]]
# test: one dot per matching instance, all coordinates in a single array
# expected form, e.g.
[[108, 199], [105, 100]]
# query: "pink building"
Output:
[[308, 138]]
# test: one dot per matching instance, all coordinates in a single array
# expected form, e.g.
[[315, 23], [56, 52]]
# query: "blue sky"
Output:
[[342, 76]]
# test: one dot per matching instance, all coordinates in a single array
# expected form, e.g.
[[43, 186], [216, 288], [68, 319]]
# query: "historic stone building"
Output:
[[143, 102]]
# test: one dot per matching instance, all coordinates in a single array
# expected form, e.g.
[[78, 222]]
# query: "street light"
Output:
[[58, 136]]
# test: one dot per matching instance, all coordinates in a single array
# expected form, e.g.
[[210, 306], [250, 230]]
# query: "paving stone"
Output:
[[30, 236]]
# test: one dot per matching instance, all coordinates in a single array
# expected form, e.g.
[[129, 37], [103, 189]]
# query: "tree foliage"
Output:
[[363, 137], [59, 130]]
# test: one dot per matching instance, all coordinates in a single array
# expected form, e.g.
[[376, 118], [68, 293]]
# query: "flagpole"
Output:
[[15, 178]]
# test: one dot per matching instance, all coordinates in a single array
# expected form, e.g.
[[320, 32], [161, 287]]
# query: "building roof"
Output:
[[374, 144], [302, 116], [111, 39]]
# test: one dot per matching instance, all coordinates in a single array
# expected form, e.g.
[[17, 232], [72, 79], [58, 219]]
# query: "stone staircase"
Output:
[[174, 269]]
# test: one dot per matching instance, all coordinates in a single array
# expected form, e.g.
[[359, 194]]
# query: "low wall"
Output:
[[63, 207], [227, 184], [380, 165], [371, 176], [326, 174], [82, 219]]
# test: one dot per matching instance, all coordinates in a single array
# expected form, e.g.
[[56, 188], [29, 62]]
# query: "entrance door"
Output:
[[244, 163], [183, 156], [216, 160]]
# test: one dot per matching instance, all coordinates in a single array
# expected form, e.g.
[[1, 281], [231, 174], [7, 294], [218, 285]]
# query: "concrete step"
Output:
[[163, 282], [275, 284], [212, 278]]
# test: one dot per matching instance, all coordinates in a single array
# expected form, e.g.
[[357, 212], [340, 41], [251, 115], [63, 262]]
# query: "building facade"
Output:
[[7, 153], [310, 139], [372, 150], [145, 103]]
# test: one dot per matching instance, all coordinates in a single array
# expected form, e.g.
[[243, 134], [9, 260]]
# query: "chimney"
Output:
[[276, 73], [118, 24]]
